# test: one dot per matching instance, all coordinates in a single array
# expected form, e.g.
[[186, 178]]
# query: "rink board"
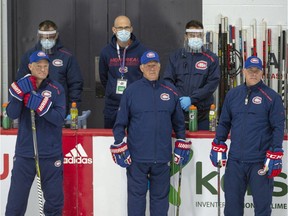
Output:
[[94, 185]]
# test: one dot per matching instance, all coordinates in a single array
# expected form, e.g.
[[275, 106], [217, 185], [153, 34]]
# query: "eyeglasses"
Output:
[[120, 28]]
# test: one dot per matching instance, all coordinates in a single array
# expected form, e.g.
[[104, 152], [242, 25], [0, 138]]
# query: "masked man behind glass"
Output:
[[195, 71], [119, 66], [63, 66]]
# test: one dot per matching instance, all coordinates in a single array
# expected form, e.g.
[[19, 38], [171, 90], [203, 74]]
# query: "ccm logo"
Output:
[[273, 156], [218, 149], [43, 104]]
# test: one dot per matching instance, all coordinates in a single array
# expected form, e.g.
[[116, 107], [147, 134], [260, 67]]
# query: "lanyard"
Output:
[[122, 64]]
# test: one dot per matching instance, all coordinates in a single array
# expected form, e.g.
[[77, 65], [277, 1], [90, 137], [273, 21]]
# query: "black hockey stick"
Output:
[[38, 176], [179, 188]]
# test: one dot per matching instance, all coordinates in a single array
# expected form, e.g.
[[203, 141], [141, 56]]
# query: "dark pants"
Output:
[[159, 184], [23, 174], [238, 176]]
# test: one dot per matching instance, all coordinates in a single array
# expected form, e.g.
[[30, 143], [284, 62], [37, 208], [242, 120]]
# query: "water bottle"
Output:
[[6, 122], [212, 118], [193, 126], [74, 116]]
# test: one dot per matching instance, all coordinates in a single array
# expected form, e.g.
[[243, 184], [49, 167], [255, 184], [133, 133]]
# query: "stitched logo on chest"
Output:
[[165, 97], [201, 65], [46, 93], [257, 100], [57, 62]]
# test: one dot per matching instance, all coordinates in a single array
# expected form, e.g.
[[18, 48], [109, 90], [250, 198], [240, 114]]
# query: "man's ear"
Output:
[[141, 67]]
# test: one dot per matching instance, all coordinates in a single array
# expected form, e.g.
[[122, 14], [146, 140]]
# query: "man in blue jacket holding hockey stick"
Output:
[[255, 115], [36, 91], [149, 110]]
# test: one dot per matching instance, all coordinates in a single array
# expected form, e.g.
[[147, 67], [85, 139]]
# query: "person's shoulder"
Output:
[[168, 85], [235, 90], [266, 90], [211, 55], [65, 51], [55, 85]]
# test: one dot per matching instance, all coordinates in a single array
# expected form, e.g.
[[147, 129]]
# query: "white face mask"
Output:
[[123, 35], [47, 43], [195, 43]]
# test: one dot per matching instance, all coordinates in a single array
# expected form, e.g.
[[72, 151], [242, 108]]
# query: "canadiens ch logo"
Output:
[[165, 97], [46, 93], [257, 100], [201, 65], [57, 62]]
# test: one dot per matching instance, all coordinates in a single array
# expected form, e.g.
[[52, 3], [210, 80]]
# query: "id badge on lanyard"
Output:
[[121, 83]]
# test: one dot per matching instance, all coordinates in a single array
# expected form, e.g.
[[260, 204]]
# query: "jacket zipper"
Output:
[[246, 102]]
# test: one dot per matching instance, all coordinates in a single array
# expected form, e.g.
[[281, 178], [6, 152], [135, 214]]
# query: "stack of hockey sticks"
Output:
[[234, 48]]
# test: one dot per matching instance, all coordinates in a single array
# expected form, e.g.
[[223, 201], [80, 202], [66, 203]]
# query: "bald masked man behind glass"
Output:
[[119, 66]]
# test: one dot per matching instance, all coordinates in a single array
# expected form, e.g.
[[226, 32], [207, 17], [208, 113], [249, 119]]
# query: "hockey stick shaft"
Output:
[[218, 188], [179, 189], [38, 175]]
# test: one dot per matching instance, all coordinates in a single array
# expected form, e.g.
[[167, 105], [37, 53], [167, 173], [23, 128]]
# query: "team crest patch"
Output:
[[165, 97], [46, 93], [57, 62], [257, 100], [57, 163], [201, 65]]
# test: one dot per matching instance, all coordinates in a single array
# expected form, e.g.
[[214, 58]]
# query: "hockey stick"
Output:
[[179, 188], [218, 186], [38, 176], [264, 53], [269, 44]]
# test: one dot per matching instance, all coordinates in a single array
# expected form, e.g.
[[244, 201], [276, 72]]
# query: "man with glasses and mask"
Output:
[[63, 66], [254, 115], [119, 66], [149, 111], [195, 72]]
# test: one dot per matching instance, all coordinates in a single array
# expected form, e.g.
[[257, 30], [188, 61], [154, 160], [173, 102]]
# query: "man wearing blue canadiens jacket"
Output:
[[149, 110], [195, 72], [119, 66], [47, 98], [63, 67], [255, 115]]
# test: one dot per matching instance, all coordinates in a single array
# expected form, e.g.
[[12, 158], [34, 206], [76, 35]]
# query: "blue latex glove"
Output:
[[218, 154], [182, 151], [68, 117], [273, 162], [185, 103], [121, 154]]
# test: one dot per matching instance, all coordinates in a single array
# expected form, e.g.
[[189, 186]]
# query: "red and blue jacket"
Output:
[[48, 126], [150, 110], [255, 116]]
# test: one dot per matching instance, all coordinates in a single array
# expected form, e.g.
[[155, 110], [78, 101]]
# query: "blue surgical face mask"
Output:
[[123, 35], [195, 43], [47, 43]]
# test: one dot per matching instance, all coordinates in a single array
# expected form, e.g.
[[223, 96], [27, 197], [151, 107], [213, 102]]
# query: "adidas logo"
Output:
[[77, 155]]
